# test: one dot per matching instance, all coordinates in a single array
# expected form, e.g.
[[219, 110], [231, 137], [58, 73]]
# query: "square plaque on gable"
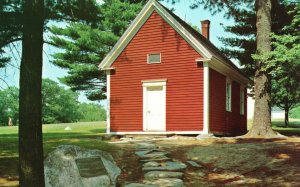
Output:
[[91, 167]]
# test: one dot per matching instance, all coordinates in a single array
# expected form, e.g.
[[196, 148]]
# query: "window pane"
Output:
[[153, 58]]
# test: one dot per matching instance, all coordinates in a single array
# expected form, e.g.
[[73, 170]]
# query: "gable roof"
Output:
[[202, 45]]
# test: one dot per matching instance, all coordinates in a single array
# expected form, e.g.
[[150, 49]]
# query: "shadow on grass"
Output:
[[288, 131]]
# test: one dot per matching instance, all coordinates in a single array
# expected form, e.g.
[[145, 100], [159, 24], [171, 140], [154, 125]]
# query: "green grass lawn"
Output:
[[84, 134], [278, 125]]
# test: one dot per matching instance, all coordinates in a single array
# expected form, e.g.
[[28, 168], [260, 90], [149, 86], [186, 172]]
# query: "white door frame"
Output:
[[151, 83]]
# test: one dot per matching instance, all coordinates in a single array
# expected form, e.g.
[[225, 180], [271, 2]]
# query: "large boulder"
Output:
[[70, 165]]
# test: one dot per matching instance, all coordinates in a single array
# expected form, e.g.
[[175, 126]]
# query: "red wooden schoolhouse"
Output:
[[165, 77]]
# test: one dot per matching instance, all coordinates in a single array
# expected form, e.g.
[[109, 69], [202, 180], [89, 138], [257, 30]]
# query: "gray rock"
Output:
[[167, 182], [204, 136], [157, 159], [194, 164], [142, 153], [142, 146], [162, 174], [154, 155], [167, 166], [139, 185], [73, 166], [151, 164], [150, 154]]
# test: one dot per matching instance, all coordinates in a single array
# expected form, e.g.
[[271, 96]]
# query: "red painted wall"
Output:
[[222, 121], [178, 66], [217, 102]]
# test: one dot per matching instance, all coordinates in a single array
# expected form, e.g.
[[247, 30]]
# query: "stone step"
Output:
[[152, 175], [167, 166], [166, 182], [140, 185]]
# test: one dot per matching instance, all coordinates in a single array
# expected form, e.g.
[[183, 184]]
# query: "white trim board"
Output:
[[206, 98], [108, 101], [166, 132]]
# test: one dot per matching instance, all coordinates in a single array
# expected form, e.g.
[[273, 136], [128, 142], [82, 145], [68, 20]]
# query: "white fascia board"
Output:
[[163, 133], [138, 23], [227, 70]]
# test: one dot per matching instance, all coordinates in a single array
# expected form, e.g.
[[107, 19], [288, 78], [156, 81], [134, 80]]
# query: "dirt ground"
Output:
[[225, 161]]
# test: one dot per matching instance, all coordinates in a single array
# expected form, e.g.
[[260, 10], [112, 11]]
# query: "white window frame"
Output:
[[242, 100], [148, 62], [228, 95]]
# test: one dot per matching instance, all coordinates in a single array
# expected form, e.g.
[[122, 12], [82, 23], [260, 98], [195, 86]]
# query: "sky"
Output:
[[182, 9]]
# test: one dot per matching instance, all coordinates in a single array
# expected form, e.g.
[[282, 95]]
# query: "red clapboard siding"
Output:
[[217, 102], [222, 121], [184, 79]]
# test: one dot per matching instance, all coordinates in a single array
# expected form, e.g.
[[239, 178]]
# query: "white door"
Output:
[[155, 109]]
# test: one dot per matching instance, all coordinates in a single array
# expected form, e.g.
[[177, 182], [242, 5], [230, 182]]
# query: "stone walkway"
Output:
[[159, 170]]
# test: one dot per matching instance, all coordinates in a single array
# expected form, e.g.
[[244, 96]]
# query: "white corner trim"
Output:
[[108, 101], [138, 23], [162, 133], [206, 98], [153, 83]]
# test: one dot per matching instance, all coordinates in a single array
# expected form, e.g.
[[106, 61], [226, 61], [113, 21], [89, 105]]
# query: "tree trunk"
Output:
[[286, 118], [262, 85], [31, 167]]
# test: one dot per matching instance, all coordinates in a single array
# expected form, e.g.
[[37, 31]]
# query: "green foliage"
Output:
[[9, 105], [85, 44], [11, 19], [92, 112], [59, 104], [295, 112]]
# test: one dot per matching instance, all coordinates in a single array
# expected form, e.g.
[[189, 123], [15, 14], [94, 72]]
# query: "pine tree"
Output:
[[85, 44], [27, 23], [31, 168]]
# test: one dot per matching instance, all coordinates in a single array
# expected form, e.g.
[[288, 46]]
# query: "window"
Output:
[[228, 95], [154, 58], [242, 101]]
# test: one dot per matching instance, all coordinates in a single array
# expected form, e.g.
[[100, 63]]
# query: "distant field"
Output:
[[51, 129], [85, 134]]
